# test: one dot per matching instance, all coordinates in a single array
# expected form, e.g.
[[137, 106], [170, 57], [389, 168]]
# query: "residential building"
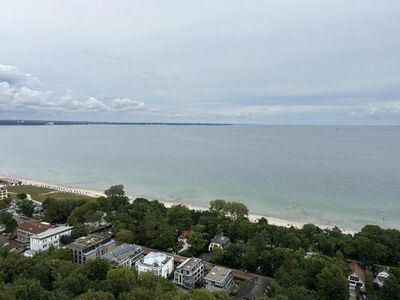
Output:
[[254, 288], [27, 229], [91, 247], [183, 240], [356, 276], [49, 238], [382, 276], [220, 241], [157, 263], [3, 192], [125, 255], [189, 272], [219, 279]]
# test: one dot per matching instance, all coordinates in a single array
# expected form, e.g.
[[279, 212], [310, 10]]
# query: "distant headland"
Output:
[[52, 122]]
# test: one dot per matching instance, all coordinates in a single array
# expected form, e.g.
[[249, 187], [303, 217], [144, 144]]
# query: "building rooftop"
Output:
[[52, 231], [34, 227], [184, 235], [221, 239], [122, 251], [88, 241], [156, 259], [189, 264], [217, 274], [2, 186], [356, 268]]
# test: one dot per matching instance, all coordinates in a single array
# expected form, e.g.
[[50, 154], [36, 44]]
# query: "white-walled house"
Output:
[[356, 276], [221, 241], [157, 263], [49, 238], [382, 276]]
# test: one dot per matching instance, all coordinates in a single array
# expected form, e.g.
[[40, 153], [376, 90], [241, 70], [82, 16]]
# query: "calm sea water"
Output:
[[347, 176]]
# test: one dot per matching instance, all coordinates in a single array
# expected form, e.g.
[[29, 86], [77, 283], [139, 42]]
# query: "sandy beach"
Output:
[[94, 193]]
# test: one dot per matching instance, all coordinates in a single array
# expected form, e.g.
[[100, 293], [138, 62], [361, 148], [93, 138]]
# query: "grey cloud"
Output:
[[19, 94], [379, 110], [14, 76]]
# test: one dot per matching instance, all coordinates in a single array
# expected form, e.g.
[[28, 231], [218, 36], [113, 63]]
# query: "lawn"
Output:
[[40, 194]]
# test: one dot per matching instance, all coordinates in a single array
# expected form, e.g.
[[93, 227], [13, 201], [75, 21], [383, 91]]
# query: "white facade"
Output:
[[3, 192], [157, 263], [356, 281], [381, 278], [51, 237]]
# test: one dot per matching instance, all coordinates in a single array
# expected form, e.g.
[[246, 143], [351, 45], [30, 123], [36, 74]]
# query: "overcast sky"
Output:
[[272, 62]]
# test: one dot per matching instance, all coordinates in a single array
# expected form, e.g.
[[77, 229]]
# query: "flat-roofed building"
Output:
[[157, 263], [219, 279], [189, 272], [27, 229], [3, 192], [50, 238], [91, 247], [125, 255]]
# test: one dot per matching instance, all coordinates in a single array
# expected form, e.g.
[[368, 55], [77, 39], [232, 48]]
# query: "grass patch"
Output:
[[40, 194]]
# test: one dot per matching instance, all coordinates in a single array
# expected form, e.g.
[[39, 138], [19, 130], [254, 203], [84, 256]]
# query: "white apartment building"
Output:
[[157, 263], [3, 192], [44, 240]]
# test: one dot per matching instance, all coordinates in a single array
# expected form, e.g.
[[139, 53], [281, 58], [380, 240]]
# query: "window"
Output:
[[354, 278]]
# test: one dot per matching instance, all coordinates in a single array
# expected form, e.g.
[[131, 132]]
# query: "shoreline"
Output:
[[94, 193]]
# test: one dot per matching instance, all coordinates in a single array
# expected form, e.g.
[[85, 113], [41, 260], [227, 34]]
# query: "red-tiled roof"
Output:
[[184, 234], [34, 227], [356, 268]]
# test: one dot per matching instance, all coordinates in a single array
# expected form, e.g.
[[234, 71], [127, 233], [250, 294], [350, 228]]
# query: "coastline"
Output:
[[94, 193]]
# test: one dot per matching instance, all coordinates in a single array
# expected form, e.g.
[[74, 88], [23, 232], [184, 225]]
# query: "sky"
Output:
[[264, 62]]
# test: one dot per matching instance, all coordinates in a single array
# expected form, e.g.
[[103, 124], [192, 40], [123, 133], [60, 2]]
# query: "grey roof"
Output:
[[122, 251], [217, 274], [190, 264], [254, 289], [52, 231], [221, 239], [91, 240]]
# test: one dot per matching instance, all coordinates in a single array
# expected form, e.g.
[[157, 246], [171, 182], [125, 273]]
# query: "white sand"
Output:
[[94, 193]]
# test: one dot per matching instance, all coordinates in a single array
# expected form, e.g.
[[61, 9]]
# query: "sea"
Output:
[[344, 176]]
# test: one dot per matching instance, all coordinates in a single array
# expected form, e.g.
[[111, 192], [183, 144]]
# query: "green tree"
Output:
[[180, 217], [22, 196], [369, 284], [332, 284], [197, 240], [79, 230], [237, 210], [300, 293], [96, 270], [125, 236], [217, 255], [121, 280], [93, 295], [8, 221], [116, 196], [391, 288], [25, 207], [200, 294], [28, 289]]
